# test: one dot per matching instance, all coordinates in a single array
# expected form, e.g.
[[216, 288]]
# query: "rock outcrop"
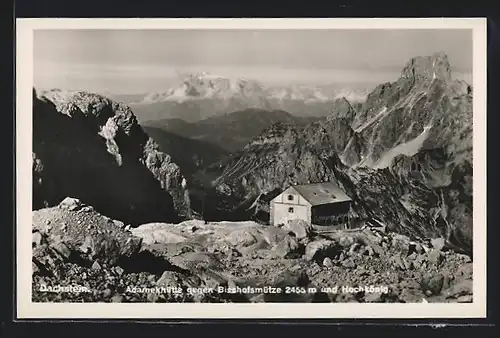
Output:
[[93, 149]]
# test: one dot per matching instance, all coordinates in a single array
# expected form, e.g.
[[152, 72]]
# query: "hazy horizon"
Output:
[[140, 61]]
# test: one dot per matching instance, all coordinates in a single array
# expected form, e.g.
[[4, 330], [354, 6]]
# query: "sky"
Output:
[[140, 61]]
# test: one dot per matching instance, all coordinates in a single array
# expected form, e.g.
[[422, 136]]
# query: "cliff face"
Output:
[[92, 148], [404, 155], [189, 154], [423, 110]]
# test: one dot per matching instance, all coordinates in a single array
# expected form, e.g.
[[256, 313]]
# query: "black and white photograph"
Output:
[[254, 164]]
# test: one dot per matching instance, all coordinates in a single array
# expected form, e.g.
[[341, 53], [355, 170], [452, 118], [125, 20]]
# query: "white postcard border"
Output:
[[26, 309]]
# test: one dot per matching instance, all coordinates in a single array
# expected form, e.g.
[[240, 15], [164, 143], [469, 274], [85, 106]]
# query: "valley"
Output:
[[231, 131]]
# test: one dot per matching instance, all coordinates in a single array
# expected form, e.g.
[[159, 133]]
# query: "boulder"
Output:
[[436, 284], [412, 256], [61, 248], [438, 243], [343, 238], [349, 263], [224, 248], [34, 268], [369, 251], [343, 255], [327, 262], [295, 279], [399, 263], [96, 266], [36, 238], [119, 224], [260, 298], [259, 249], [462, 288], [289, 247], [401, 243], [211, 279], [320, 249], [463, 258], [416, 248], [369, 237], [107, 293], [243, 237], [195, 261], [47, 260], [465, 271], [71, 204], [162, 233], [170, 279], [354, 248], [117, 299], [300, 228], [433, 283], [89, 236], [435, 257], [419, 262], [465, 299], [118, 270], [175, 249], [273, 235], [86, 208], [346, 241], [344, 298], [410, 295], [374, 297]]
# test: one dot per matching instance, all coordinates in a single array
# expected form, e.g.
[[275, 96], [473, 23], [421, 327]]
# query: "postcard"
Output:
[[251, 168]]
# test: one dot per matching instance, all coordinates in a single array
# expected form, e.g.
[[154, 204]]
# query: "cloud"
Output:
[[141, 78]]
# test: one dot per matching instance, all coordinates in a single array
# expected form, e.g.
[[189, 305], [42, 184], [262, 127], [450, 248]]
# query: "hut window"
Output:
[[290, 197], [290, 210]]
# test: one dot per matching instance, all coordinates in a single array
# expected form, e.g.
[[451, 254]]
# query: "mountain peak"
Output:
[[342, 102], [341, 108], [435, 66], [203, 75]]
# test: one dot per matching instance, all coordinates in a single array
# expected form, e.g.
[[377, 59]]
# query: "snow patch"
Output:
[[108, 132], [383, 112], [409, 148]]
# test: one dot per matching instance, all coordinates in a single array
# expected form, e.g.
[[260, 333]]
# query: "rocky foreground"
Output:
[[105, 260]]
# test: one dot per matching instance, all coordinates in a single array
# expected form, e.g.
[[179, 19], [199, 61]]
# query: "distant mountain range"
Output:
[[203, 95], [230, 131]]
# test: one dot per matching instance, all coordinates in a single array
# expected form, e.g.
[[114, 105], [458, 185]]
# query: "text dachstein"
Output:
[[63, 288]]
